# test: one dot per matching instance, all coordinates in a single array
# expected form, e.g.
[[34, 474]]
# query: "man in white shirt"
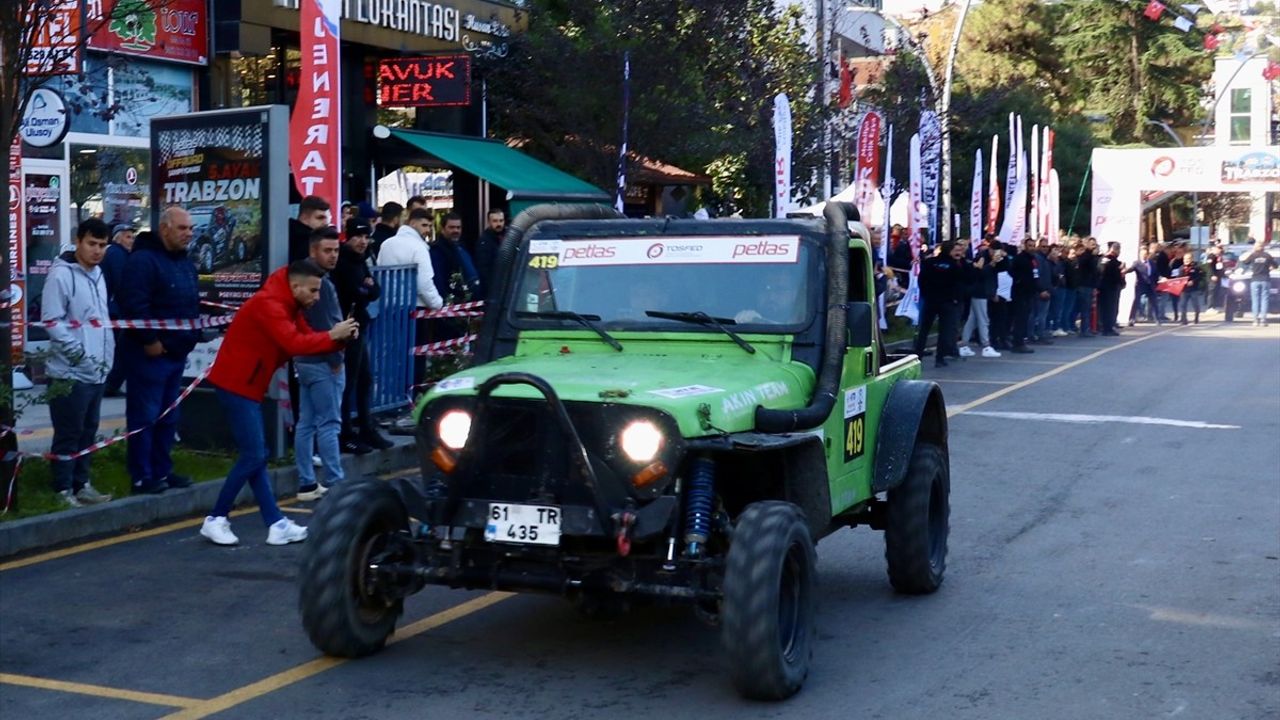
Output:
[[409, 247]]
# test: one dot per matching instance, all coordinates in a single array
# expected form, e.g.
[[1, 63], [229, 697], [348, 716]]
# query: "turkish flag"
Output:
[[1272, 71], [1173, 286], [1154, 10], [846, 84], [1210, 42]]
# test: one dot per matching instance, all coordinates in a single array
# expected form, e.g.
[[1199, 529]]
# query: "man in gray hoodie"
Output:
[[74, 297], [321, 381]]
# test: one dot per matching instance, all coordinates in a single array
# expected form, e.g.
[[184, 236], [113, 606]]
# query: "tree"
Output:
[[703, 77]]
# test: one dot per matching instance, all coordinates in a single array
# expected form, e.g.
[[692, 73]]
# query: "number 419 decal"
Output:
[[855, 437]]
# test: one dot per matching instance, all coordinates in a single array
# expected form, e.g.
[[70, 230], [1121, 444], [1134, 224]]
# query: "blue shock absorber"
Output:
[[699, 503]]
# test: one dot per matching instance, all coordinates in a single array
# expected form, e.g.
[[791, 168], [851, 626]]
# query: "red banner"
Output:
[[315, 140], [17, 246], [993, 192], [867, 174], [55, 41], [176, 30]]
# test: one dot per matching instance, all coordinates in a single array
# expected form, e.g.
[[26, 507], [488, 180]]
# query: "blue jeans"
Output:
[[154, 383], [1260, 294], [319, 420], [245, 418], [74, 417], [1067, 306], [1040, 319]]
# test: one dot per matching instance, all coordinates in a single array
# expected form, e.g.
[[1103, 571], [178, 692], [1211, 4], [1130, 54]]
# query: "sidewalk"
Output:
[[44, 531]]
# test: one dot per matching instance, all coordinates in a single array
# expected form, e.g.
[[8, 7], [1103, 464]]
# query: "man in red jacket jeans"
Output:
[[267, 331]]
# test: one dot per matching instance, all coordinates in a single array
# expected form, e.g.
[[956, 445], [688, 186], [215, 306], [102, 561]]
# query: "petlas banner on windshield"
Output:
[[706, 250]]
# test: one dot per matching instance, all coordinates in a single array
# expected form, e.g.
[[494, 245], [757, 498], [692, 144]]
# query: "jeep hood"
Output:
[[678, 385]]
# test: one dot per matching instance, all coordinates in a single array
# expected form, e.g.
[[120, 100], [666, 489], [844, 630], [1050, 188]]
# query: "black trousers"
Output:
[[948, 328], [355, 397], [929, 311], [999, 314], [1108, 308], [1021, 308]]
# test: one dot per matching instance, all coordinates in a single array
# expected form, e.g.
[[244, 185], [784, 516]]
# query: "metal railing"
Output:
[[391, 338]]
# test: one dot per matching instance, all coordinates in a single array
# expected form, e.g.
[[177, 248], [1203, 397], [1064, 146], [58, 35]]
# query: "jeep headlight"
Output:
[[1238, 287], [454, 428], [641, 441]]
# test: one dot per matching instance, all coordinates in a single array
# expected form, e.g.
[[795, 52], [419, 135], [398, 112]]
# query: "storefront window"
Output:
[[111, 183]]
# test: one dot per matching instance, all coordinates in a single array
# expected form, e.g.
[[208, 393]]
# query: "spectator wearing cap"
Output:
[[122, 237], [357, 288]]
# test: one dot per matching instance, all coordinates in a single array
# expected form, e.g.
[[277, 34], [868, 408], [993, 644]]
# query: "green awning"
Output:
[[524, 178]]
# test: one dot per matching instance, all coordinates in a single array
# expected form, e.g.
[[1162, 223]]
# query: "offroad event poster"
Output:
[[215, 167]]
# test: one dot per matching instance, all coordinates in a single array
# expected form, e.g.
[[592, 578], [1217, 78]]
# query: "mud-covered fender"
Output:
[[913, 411]]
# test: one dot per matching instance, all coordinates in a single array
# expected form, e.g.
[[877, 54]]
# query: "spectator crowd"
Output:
[[309, 314]]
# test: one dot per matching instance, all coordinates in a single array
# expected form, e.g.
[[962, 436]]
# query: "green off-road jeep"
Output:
[[661, 409]]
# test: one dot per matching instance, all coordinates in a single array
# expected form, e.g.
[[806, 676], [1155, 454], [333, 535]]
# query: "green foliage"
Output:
[[134, 21], [703, 78]]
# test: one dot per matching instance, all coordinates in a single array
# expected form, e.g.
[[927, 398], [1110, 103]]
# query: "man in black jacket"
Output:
[[1086, 284], [1110, 282], [357, 288], [942, 286], [388, 224], [313, 214], [487, 246], [1023, 270]]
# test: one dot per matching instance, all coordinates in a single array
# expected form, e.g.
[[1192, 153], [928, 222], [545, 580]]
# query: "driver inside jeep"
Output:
[[776, 302]]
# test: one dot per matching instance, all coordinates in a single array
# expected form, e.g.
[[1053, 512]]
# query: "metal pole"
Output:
[[944, 118], [820, 44]]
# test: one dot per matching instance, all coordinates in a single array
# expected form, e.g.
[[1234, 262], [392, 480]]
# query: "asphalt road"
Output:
[[1100, 567]]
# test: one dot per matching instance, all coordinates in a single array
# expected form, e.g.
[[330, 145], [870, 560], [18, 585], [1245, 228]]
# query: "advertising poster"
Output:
[[215, 167], [176, 30], [17, 283], [41, 194]]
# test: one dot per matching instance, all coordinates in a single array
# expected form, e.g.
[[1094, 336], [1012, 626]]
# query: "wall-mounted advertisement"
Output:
[[216, 167], [41, 195], [176, 30]]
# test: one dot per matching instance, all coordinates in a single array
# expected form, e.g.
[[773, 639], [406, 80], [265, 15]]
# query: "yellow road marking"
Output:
[[975, 382], [108, 542], [958, 409], [297, 509], [242, 695], [99, 691]]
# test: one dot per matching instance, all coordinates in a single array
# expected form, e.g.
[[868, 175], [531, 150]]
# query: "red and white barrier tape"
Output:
[[443, 347], [181, 324], [220, 306], [18, 455], [467, 309]]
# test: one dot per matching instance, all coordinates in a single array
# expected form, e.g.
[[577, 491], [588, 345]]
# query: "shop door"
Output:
[[44, 196]]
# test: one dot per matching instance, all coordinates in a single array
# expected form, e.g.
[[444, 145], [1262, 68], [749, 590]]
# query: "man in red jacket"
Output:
[[267, 331]]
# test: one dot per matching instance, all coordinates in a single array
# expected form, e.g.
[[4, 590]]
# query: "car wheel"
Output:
[[342, 611], [919, 510], [767, 613], [206, 258]]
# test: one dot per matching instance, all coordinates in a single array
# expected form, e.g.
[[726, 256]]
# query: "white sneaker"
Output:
[[965, 351], [1060, 333], [89, 495], [285, 531], [313, 495], [990, 352], [218, 531], [316, 461], [69, 499]]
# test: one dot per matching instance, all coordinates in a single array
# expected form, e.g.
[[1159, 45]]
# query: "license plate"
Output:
[[523, 524]]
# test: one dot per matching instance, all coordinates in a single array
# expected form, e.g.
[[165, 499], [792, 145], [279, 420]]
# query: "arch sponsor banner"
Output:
[[694, 250]]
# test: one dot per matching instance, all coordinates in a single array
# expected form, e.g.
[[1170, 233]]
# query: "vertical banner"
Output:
[[886, 192], [868, 167], [1033, 227], [1047, 229], [1018, 228], [931, 171], [17, 282], [621, 193], [1053, 203], [1010, 183], [975, 206], [782, 155], [44, 235], [993, 193], [315, 137], [909, 305]]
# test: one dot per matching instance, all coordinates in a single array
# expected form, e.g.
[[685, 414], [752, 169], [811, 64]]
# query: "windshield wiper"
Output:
[[585, 320], [701, 318]]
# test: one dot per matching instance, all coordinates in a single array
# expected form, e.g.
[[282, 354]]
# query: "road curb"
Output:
[[43, 531]]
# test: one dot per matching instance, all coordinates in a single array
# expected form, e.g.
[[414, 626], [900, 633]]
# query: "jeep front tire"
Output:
[[767, 614]]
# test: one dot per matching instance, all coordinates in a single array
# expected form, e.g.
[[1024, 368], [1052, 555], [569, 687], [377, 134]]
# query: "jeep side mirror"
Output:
[[859, 317]]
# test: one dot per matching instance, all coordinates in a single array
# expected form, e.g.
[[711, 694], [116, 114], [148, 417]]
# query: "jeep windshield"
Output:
[[759, 282]]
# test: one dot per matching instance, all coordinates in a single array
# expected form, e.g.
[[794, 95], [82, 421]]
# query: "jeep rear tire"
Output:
[[352, 526], [915, 537], [767, 614]]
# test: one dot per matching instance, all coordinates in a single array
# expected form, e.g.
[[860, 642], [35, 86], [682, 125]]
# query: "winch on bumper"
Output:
[[536, 493]]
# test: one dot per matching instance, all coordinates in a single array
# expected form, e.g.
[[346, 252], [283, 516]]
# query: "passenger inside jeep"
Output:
[[777, 301]]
